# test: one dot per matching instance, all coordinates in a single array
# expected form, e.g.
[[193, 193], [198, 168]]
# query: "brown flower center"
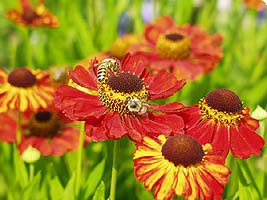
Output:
[[183, 150], [44, 124], [222, 106], [224, 100], [125, 82], [123, 92], [173, 46], [21, 77], [29, 15], [174, 36]]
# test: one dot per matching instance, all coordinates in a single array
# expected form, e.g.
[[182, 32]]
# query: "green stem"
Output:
[[19, 128], [28, 47], [79, 157], [13, 53], [31, 172], [114, 170]]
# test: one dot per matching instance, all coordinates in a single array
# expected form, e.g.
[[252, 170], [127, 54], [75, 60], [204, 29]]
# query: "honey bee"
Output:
[[136, 105], [106, 65]]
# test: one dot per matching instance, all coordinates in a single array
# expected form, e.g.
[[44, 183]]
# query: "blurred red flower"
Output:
[[187, 50], [33, 16], [46, 130]]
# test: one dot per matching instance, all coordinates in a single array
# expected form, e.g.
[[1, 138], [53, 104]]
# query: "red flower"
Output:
[[29, 16], [44, 130], [221, 119], [187, 50], [114, 100]]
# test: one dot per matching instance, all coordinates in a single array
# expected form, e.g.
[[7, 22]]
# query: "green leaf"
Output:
[[247, 181], [56, 189], [246, 191], [100, 192], [93, 180], [20, 169], [69, 193], [32, 189]]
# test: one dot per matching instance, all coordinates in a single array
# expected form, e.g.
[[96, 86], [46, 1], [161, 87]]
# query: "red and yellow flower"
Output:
[[32, 16], [187, 50], [221, 119], [180, 165], [45, 130], [115, 103], [24, 89]]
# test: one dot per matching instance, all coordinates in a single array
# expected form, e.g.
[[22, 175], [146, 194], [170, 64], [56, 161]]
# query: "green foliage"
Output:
[[100, 192], [92, 181], [31, 190]]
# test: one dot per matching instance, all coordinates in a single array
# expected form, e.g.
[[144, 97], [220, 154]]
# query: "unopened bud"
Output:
[[31, 155], [259, 113]]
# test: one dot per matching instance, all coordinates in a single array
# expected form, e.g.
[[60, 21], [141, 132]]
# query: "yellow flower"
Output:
[[24, 89]]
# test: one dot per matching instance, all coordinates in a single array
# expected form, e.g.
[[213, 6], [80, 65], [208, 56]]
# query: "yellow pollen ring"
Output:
[[173, 49], [222, 117], [115, 100]]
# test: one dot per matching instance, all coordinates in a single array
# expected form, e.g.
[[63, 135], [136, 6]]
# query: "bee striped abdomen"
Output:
[[108, 65], [101, 73]]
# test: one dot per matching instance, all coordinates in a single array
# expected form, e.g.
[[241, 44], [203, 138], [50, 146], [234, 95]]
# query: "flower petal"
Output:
[[95, 130], [68, 140], [203, 132], [173, 121], [148, 126], [164, 190], [114, 126], [84, 78], [182, 187], [193, 184], [173, 107], [134, 64], [37, 142], [245, 142], [8, 128], [133, 134], [220, 142], [76, 104], [164, 85], [160, 25]]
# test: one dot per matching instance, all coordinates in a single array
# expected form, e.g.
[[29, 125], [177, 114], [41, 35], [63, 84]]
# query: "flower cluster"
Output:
[[180, 150], [28, 114]]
